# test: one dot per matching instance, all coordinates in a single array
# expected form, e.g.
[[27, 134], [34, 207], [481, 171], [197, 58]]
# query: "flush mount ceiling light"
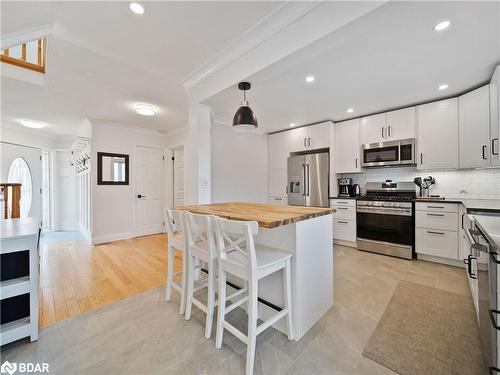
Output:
[[145, 109], [442, 25], [33, 124], [310, 79], [292, 124], [350, 110], [244, 118], [136, 8], [443, 87]]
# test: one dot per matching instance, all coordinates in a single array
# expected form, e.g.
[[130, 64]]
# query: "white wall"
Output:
[[239, 165], [472, 184], [64, 192], [33, 138], [113, 207]]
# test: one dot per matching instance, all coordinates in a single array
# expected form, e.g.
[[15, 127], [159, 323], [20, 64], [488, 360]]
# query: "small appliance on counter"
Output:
[[356, 190], [345, 187]]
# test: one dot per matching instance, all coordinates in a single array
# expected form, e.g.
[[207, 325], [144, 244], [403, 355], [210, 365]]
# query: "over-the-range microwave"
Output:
[[390, 153]]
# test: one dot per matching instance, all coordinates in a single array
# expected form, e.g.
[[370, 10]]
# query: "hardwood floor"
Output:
[[76, 277]]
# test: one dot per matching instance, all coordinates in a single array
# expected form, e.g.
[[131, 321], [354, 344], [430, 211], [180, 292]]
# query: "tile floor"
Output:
[[146, 335]]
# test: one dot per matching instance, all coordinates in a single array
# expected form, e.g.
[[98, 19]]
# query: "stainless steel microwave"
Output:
[[391, 153]]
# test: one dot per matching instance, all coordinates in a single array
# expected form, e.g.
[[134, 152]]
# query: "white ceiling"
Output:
[[102, 58], [386, 59]]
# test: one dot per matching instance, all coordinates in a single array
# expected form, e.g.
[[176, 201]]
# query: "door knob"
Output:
[[141, 196]]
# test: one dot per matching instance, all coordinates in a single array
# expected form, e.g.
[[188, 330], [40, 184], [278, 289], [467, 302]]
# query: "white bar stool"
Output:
[[174, 220], [243, 259]]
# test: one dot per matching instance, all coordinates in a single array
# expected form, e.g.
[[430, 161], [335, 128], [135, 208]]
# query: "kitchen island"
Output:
[[305, 232]]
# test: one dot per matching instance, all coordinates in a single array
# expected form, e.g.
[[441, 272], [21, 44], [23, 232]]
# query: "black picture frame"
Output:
[[100, 155]]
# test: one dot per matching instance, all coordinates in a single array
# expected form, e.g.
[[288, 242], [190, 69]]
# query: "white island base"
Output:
[[311, 243]]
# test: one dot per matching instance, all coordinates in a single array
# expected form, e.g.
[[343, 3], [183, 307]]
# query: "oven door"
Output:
[[393, 225]]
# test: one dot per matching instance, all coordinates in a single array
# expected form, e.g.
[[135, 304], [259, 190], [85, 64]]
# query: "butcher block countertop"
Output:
[[267, 215]]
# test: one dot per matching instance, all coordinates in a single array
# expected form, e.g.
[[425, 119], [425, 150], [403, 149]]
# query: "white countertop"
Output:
[[18, 228], [491, 225]]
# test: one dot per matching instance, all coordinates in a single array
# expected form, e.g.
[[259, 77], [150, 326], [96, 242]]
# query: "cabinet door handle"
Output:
[[432, 232], [469, 266], [463, 221], [435, 206], [389, 131], [342, 208], [435, 214], [421, 158], [493, 146], [356, 163], [342, 222], [382, 132], [309, 141], [342, 203], [484, 152], [305, 142]]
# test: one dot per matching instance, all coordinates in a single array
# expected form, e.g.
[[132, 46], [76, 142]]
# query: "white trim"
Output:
[[111, 237], [262, 31], [122, 126], [435, 259], [14, 39]]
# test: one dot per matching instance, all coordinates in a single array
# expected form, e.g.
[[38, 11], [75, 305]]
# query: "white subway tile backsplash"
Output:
[[471, 184]]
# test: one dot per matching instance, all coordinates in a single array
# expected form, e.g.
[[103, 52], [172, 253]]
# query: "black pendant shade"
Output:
[[244, 116]]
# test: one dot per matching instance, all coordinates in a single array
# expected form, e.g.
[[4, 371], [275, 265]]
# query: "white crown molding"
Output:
[[14, 39], [262, 31], [123, 126]]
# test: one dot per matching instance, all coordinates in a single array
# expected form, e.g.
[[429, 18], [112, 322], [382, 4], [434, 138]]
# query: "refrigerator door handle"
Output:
[[307, 175], [305, 179]]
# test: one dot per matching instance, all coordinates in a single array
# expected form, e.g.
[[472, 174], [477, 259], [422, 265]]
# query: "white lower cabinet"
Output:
[[344, 220], [282, 201], [440, 243], [436, 231]]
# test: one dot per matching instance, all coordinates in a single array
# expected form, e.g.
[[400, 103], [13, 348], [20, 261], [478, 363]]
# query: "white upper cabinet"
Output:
[[474, 128], [373, 129], [495, 118], [401, 124], [278, 149], [298, 139], [346, 148], [310, 137], [319, 135], [437, 135], [390, 126]]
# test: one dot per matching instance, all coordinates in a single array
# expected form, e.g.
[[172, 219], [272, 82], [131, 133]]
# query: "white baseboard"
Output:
[[435, 259], [345, 243], [111, 237]]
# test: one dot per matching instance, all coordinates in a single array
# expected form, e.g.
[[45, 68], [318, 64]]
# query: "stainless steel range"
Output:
[[386, 219]]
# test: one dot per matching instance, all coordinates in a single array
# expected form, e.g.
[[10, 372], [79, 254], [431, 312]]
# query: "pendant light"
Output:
[[244, 117]]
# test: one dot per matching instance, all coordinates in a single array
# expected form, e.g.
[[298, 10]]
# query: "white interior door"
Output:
[[148, 190], [178, 177], [30, 196]]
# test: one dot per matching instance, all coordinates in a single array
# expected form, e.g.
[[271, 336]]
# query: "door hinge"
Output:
[[173, 158], [40, 190]]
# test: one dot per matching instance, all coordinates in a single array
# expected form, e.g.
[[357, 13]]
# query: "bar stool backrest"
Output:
[[200, 232], [233, 235]]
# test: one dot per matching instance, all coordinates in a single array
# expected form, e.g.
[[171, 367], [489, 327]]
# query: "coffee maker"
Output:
[[345, 187]]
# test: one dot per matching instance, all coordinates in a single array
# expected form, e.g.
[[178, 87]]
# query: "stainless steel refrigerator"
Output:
[[308, 180]]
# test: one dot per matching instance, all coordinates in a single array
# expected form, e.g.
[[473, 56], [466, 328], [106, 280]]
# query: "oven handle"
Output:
[[492, 318]]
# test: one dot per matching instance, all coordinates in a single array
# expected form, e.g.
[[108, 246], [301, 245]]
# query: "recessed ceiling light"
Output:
[[443, 87], [442, 25], [350, 110], [33, 124], [292, 124], [145, 109], [310, 79], [136, 8]]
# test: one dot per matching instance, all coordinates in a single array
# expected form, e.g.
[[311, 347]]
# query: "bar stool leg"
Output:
[[222, 309], [182, 307], [252, 325], [212, 285], [190, 287], [287, 286], [170, 272]]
